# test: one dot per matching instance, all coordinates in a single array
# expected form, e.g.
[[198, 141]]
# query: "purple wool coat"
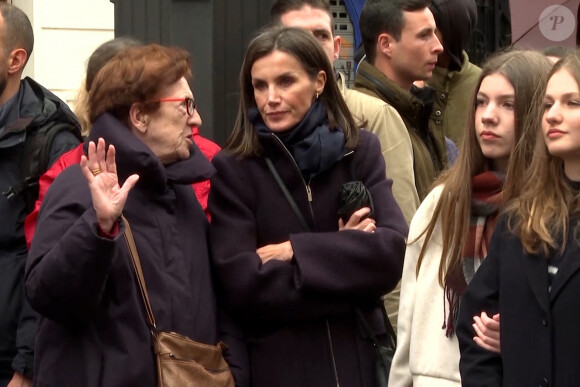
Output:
[[296, 319], [92, 329]]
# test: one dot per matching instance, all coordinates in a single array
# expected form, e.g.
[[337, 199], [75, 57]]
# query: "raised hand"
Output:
[[100, 170]]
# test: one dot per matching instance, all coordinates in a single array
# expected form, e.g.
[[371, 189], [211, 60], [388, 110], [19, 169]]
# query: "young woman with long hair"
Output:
[[531, 274], [450, 232]]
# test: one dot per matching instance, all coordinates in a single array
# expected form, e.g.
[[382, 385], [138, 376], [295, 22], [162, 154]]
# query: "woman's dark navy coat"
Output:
[[297, 317], [540, 345], [92, 330]]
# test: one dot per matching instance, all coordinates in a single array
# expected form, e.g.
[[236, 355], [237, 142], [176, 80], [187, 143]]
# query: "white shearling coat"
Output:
[[424, 356]]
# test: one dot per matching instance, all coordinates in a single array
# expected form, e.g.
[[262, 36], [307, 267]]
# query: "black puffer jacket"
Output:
[[35, 108]]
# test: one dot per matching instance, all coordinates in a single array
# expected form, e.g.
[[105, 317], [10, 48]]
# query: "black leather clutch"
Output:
[[354, 196]]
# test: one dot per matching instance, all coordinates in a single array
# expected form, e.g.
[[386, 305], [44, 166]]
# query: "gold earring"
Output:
[[316, 95]]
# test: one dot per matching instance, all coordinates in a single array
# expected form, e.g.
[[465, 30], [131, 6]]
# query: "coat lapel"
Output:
[[537, 272], [570, 265]]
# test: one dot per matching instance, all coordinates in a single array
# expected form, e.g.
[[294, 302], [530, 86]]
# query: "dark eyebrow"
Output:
[[501, 97], [286, 74], [426, 30], [318, 30], [571, 95]]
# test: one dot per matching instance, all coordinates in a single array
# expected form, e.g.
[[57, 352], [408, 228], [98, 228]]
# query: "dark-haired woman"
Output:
[[293, 286]]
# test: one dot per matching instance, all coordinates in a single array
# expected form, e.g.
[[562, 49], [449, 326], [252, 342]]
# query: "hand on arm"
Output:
[[487, 330], [281, 251], [100, 170], [355, 222]]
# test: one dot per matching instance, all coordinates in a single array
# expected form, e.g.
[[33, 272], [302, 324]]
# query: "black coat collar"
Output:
[[133, 156]]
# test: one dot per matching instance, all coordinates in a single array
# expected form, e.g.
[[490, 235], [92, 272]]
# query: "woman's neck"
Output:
[[499, 165], [572, 169]]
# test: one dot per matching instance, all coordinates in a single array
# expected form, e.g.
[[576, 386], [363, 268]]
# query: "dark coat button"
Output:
[[544, 323]]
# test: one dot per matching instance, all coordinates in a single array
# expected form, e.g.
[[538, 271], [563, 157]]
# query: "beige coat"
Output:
[[428, 148], [384, 121], [424, 356]]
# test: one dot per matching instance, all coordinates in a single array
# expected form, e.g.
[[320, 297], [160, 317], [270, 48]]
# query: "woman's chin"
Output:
[[279, 126]]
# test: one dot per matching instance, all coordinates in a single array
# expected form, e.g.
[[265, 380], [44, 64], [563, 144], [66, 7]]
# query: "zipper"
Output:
[[309, 196], [309, 192], [306, 185], [334, 369]]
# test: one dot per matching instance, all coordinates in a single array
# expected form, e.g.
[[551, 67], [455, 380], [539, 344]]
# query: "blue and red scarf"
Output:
[[486, 199]]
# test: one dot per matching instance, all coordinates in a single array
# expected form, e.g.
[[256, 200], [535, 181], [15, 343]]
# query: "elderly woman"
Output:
[[293, 285], [79, 276]]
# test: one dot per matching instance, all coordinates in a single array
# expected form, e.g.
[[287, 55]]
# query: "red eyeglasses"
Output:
[[190, 105]]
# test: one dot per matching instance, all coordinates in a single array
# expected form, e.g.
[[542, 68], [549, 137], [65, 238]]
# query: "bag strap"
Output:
[[286, 193], [140, 278], [388, 325]]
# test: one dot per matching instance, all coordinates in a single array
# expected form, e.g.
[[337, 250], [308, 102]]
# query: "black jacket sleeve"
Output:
[[26, 329], [480, 367], [69, 262]]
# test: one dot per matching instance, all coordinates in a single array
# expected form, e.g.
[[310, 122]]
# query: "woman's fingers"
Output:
[[487, 332], [85, 169], [101, 155], [129, 184], [92, 156], [355, 222], [111, 165], [100, 158], [489, 326], [484, 345], [371, 227], [356, 216]]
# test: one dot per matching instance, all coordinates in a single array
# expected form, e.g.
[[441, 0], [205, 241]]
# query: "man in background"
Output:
[[35, 129], [454, 77], [401, 47]]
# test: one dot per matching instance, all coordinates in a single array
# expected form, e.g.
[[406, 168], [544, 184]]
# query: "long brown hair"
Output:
[[525, 70], [303, 46], [540, 215]]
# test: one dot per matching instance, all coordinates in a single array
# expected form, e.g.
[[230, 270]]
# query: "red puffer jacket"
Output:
[[201, 189]]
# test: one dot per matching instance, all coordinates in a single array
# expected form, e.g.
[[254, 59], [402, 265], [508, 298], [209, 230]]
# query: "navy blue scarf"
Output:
[[314, 146]]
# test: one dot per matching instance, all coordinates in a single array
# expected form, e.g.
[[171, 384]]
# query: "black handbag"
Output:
[[385, 353], [353, 196]]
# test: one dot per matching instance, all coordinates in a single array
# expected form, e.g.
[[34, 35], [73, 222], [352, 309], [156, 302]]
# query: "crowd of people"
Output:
[[462, 232]]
